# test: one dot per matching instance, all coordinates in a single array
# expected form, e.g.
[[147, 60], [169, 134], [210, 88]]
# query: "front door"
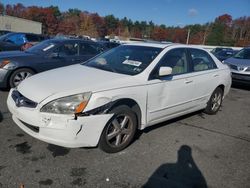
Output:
[[173, 94]]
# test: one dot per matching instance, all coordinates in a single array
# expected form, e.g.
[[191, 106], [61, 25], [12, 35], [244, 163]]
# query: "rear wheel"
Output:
[[19, 75], [214, 102], [119, 131]]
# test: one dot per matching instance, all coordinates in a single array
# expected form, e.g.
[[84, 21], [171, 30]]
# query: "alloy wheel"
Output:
[[20, 76], [119, 130], [216, 101]]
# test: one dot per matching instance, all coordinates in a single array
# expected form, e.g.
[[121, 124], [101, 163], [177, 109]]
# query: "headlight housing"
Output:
[[73, 104], [7, 64], [3, 63]]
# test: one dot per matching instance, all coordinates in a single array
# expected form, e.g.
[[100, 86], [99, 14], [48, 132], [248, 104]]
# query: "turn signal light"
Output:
[[3, 63], [81, 107]]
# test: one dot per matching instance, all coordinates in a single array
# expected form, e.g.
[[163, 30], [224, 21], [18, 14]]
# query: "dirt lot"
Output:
[[198, 149]]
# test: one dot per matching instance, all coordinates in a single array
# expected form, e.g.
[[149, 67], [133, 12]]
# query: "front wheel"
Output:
[[214, 102], [19, 75], [119, 131]]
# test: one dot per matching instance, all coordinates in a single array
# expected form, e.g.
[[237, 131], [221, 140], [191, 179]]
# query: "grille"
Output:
[[20, 100]]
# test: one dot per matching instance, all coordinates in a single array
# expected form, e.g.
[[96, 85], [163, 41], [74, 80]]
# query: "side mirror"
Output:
[[165, 71]]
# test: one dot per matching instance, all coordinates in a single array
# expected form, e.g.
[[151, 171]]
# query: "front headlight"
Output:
[[68, 105], [4, 63], [7, 64]]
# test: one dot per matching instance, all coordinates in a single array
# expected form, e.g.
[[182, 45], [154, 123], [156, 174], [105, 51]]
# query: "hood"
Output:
[[238, 62], [14, 54], [71, 80]]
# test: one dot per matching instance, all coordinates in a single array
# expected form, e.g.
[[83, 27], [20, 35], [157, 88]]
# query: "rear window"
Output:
[[201, 60], [32, 38], [89, 49]]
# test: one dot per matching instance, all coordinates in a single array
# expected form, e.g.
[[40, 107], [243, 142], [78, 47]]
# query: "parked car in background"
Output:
[[224, 54], [216, 50], [240, 66], [15, 41], [3, 32], [108, 45], [16, 66], [106, 99]]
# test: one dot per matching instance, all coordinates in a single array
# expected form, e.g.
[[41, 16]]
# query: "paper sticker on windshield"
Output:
[[49, 47], [132, 62]]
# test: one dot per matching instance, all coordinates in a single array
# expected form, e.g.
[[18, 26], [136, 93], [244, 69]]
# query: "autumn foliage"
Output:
[[223, 31]]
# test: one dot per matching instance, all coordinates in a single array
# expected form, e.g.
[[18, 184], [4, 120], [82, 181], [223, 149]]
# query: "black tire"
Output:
[[13, 81], [122, 132], [214, 102]]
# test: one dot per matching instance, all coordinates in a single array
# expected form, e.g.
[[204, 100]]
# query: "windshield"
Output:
[[243, 54], [125, 59], [42, 47]]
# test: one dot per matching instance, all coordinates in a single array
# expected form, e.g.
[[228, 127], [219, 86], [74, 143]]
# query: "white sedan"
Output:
[[106, 99]]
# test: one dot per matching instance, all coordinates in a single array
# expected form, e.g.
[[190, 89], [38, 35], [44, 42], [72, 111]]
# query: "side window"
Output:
[[88, 49], [17, 39], [177, 60], [32, 38], [201, 60], [68, 49]]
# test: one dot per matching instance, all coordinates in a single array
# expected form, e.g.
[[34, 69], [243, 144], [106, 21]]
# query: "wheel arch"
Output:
[[222, 87], [22, 67], [131, 103]]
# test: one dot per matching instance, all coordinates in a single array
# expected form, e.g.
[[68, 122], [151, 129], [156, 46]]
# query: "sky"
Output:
[[168, 12]]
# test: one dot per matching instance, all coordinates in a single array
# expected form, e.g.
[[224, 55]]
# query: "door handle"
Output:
[[188, 81]]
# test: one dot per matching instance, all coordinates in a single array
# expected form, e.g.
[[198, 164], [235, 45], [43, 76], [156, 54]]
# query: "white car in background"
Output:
[[106, 99]]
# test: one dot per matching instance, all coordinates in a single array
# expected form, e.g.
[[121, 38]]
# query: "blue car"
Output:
[[15, 41], [16, 66]]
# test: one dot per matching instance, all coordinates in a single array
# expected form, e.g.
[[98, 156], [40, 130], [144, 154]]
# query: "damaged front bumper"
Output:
[[62, 130]]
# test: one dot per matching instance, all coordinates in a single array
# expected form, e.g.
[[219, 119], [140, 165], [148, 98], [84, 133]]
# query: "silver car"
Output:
[[240, 66]]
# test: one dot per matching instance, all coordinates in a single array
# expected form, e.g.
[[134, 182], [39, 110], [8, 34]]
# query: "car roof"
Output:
[[163, 45], [68, 39], [149, 44]]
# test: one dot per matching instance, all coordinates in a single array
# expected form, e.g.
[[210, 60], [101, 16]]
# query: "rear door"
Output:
[[205, 75]]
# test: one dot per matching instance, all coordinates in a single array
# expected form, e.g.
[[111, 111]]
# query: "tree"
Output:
[[1, 8], [222, 31], [87, 27], [111, 23], [18, 10], [159, 34], [9, 10], [56, 11], [44, 15], [74, 12], [99, 23], [68, 24]]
